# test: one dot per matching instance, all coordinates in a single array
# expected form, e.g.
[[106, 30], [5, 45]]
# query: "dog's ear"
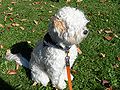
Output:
[[59, 24]]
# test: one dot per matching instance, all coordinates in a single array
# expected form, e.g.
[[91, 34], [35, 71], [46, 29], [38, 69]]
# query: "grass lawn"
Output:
[[27, 20]]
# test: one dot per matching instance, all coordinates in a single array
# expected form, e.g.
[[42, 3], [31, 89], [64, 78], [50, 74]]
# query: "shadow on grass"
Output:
[[25, 50], [5, 86]]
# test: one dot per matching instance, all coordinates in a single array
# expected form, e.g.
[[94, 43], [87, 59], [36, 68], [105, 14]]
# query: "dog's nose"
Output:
[[85, 32]]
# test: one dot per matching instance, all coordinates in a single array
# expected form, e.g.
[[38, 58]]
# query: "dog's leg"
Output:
[[62, 83], [39, 75], [65, 75]]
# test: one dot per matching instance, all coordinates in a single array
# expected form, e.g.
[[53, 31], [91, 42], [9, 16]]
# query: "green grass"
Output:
[[89, 65]]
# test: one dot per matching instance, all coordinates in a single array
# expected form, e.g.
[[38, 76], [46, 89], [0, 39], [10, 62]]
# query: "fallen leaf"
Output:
[[102, 54], [68, 1], [36, 22], [11, 19], [50, 11], [45, 3], [13, 2], [115, 35], [116, 66], [10, 8], [36, 3], [74, 71], [33, 30], [5, 18], [1, 26], [108, 38], [100, 31], [79, 51], [1, 46], [79, 1], [8, 52], [52, 6], [8, 14], [22, 28], [110, 88], [12, 72], [15, 24], [108, 31], [23, 20], [118, 58], [29, 42]]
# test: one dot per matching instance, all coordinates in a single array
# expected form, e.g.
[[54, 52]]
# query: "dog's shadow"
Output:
[[25, 49]]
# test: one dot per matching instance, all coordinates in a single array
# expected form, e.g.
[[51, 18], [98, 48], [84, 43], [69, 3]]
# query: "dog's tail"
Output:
[[20, 53]]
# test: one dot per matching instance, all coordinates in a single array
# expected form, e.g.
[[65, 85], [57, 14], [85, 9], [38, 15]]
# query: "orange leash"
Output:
[[68, 69], [69, 77]]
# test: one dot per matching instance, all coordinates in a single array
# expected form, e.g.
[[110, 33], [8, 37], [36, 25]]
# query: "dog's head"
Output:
[[68, 26]]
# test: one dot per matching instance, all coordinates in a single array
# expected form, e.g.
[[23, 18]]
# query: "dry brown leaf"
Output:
[[36, 3], [23, 20], [8, 14], [1, 46], [45, 3], [15, 24], [22, 28], [118, 58], [12, 72], [79, 51], [36, 22], [74, 71], [115, 35], [11, 19], [1, 26], [102, 54], [33, 30], [13, 2], [52, 6], [108, 31], [116, 66], [110, 88], [5, 18], [10, 8], [50, 11], [108, 38], [100, 31]]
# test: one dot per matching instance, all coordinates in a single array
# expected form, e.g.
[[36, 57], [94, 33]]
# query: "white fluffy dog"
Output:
[[66, 29]]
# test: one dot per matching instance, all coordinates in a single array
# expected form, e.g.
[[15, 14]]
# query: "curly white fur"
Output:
[[66, 29], [48, 63]]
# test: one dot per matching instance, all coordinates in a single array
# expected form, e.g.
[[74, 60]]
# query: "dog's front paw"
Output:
[[66, 78], [61, 85]]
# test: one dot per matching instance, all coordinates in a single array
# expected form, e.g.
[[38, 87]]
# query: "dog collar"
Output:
[[48, 42]]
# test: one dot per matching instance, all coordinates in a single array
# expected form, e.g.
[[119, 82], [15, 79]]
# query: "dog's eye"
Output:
[[85, 32]]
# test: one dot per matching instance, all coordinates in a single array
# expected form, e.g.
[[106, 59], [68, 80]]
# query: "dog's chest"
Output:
[[56, 57]]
